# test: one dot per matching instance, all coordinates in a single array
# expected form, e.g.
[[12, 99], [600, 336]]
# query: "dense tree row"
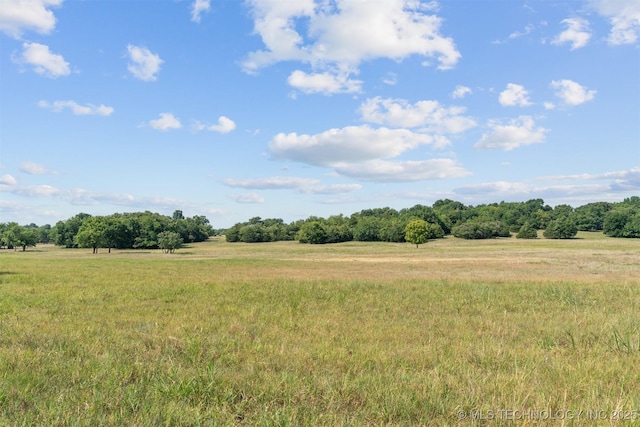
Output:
[[417, 224], [144, 230], [523, 219]]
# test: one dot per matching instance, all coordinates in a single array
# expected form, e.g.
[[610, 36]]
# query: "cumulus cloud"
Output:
[[43, 61], [460, 92], [224, 125], [501, 187], [271, 183], [517, 133], [32, 168], [249, 198], [77, 109], [333, 189], [572, 93], [81, 196], [18, 16], [402, 171], [624, 16], [302, 185], [335, 37], [167, 121], [349, 144], [626, 180], [577, 33], [365, 153], [144, 64], [325, 83], [514, 95], [198, 7], [430, 116], [8, 180], [585, 187]]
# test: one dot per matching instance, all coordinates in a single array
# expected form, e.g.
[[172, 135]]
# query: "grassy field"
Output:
[[494, 332]]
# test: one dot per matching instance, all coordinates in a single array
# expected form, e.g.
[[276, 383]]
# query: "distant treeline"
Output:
[[143, 230], [148, 230], [448, 217]]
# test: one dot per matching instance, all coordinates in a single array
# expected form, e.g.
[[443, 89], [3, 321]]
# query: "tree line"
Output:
[[418, 224], [138, 230], [449, 217]]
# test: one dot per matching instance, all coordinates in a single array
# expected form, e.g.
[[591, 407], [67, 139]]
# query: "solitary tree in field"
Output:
[[417, 232]]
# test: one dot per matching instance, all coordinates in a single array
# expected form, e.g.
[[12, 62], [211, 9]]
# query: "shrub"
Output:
[[527, 232], [562, 228]]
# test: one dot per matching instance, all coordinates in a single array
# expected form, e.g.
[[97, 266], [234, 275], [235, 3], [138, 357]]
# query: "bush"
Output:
[[481, 230], [527, 232], [562, 228]]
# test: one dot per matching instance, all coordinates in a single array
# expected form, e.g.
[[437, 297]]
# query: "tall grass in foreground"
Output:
[[354, 334]]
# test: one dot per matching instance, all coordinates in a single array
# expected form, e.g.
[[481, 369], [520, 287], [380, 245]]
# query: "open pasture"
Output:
[[457, 332]]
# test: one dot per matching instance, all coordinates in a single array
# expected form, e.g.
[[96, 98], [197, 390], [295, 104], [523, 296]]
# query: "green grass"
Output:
[[348, 334]]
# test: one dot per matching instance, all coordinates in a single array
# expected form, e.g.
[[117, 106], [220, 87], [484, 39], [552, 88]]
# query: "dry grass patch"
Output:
[[290, 334]]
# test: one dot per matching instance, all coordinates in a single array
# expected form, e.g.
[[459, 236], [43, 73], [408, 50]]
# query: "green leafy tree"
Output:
[[367, 229], [64, 232], [169, 241], [312, 232], [17, 236], [561, 228], [393, 230], [476, 229], [527, 231], [417, 232], [622, 221], [92, 234]]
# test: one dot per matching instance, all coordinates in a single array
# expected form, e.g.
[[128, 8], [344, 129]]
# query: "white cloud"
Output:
[[501, 187], [528, 29], [391, 79], [225, 125], [80, 196], [518, 132], [403, 171], [428, 115], [17, 16], [325, 83], [350, 144], [514, 95], [249, 198], [89, 109], [624, 16], [144, 64], [619, 182], [198, 7], [460, 92], [272, 183], [302, 185], [333, 189], [44, 62], [166, 122], [517, 34], [335, 37], [626, 180], [32, 168], [577, 33], [7, 179], [572, 93]]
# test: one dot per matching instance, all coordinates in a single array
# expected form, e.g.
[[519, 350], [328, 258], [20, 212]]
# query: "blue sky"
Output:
[[287, 109]]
